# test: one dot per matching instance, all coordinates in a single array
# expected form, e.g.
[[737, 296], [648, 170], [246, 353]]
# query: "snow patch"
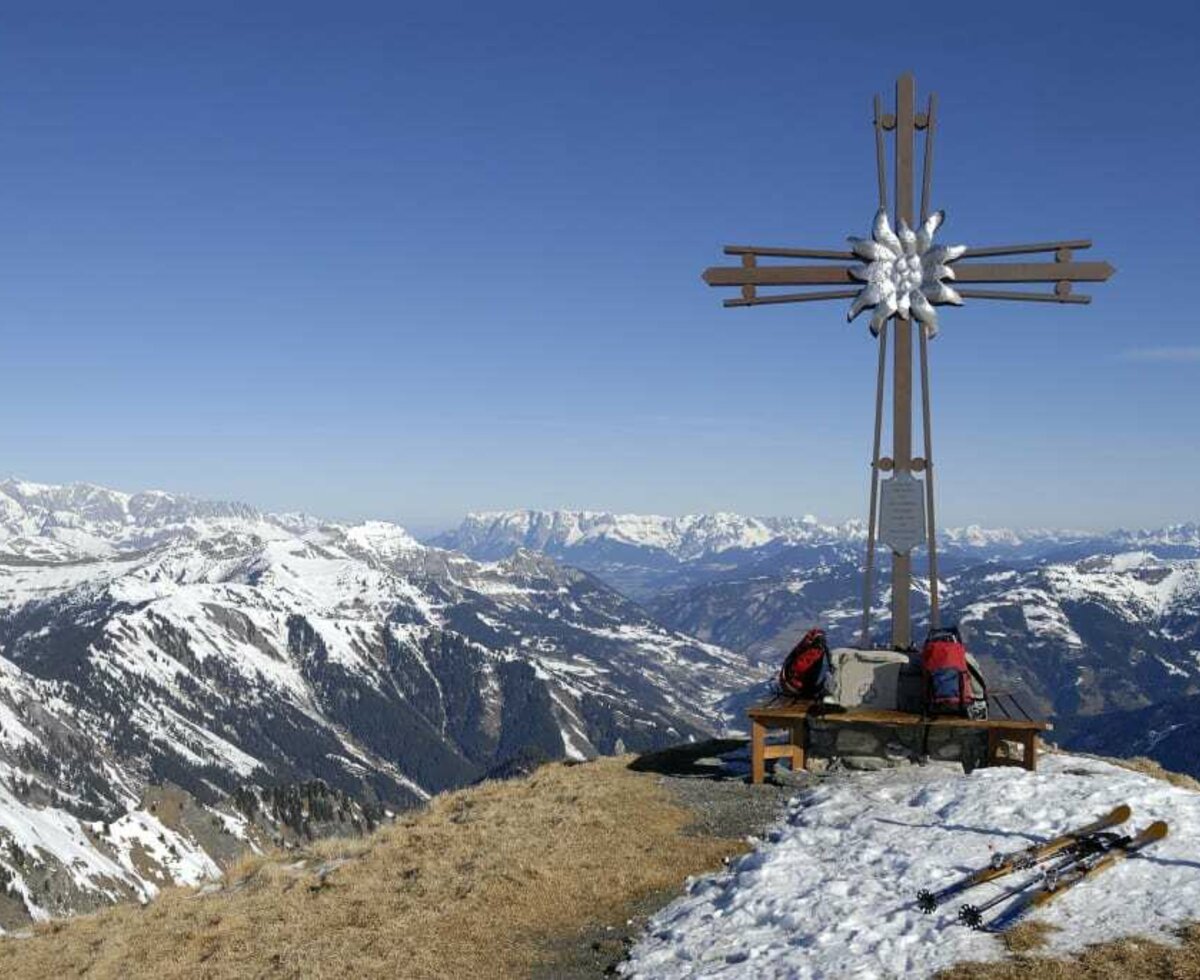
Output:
[[830, 894]]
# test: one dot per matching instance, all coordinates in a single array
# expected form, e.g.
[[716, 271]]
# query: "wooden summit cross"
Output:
[[904, 275]]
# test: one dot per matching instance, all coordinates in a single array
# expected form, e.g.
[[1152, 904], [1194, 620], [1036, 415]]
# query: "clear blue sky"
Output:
[[405, 260]]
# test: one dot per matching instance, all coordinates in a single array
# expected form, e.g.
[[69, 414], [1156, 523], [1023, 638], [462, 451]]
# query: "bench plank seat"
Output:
[[794, 714]]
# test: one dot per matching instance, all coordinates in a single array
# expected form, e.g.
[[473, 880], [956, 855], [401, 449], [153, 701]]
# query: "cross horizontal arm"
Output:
[[1027, 249], [778, 275], [1054, 297], [1032, 271], [790, 253], [792, 297], [818, 275], [774, 251]]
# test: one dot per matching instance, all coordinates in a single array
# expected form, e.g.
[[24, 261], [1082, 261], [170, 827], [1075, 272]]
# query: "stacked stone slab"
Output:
[[889, 680]]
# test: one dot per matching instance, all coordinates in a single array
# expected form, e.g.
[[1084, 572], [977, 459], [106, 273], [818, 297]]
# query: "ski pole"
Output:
[[972, 915]]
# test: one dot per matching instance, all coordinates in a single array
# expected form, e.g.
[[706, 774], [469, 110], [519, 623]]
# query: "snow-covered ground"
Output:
[[831, 893]]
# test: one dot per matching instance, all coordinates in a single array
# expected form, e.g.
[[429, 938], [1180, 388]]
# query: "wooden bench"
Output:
[[792, 714]]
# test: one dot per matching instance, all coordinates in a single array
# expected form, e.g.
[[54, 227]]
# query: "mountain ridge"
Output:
[[167, 640], [696, 535], [647, 556]]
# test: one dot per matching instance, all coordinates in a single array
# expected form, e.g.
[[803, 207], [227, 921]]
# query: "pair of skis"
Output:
[[1065, 860]]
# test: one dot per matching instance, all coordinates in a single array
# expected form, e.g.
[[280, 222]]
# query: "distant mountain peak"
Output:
[[684, 538], [382, 538]]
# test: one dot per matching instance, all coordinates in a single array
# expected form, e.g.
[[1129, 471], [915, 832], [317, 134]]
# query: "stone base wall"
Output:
[[867, 746]]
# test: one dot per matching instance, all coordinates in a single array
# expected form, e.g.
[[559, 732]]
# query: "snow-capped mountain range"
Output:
[[686, 538], [151, 640], [1087, 622], [646, 555], [1108, 632], [643, 554], [494, 534]]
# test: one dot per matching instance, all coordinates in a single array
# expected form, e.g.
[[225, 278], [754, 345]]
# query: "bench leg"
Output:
[[799, 745], [993, 749], [758, 744], [1031, 751]]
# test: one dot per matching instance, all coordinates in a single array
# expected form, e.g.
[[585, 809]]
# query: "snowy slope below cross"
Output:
[[830, 893]]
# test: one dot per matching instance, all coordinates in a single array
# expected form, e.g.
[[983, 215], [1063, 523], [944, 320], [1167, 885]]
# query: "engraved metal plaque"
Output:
[[902, 512]]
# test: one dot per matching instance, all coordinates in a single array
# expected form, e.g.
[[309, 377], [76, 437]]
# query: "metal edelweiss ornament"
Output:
[[905, 272]]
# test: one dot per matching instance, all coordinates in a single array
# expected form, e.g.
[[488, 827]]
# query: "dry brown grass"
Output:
[[1148, 767], [1125, 959], [478, 885], [1028, 936]]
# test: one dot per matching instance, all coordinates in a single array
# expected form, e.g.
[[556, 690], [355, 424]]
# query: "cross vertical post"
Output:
[[902, 364]]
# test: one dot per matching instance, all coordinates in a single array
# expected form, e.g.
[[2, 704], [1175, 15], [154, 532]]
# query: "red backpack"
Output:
[[805, 672], [946, 673]]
